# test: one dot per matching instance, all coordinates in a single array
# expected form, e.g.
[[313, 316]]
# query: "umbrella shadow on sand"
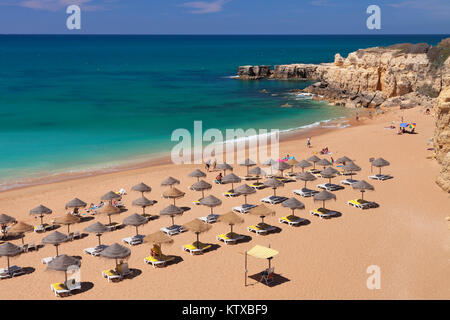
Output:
[[185, 208], [85, 286], [28, 270], [305, 222], [134, 273], [86, 219], [277, 280]]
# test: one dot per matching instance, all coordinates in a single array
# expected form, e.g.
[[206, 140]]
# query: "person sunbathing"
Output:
[[219, 178]]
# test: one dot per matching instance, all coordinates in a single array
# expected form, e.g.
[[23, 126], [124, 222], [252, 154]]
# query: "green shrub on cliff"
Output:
[[437, 55]]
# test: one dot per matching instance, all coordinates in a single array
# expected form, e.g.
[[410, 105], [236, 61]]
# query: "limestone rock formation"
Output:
[[442, 138]]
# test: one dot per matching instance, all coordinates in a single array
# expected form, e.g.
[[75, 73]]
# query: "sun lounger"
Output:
[[230, 194], [172, 230], [43, 227], [323, 213], [194, 249], [111, 274], [158, 261], [196, 202], [381, 177], [59, 289], [257, 185], [47, 260], [291, 220], [229, 238], [305, 192], [210, 218], [113, 226], [134, 240], [348, 182], [245, 208], [77, 235], [284, 180], [330, 186], [274, 199], [362, 204], [261, 229], [12, 272], [31, 246], [96, 250], [246, 178], [314, 171]]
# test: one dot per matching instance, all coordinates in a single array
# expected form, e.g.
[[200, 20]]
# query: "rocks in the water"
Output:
[[286, 105], [254, 72], [264, 91], [442, 138]]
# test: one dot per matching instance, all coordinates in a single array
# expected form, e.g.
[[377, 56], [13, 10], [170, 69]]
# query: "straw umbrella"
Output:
[[55, 238], [281, 166], [231, 178], [170, 181], [362, 186], [351, 166], [379, 163], [115, 251], [21, 228], [244, 190], [197, 173], [314, 159], [142, 202], [63, 263], [224, 166], [9, 250], [171, 211], [197, 227], [211, 202], [97, 228], [67, 219], [292, 163], [141, 187], [329, 173], [75, 204], [110, 196], [4, 221], [173, 193], [158, 238], [324, 163], [324, 196], [303, 164], [109, 210], [262, 211], [269, 163], [40, 210], [305, 176], [248, 163], [343, 160], [274, 184], [135, 220], [201, 185], [258, 172], [293, 204], [230, 218]]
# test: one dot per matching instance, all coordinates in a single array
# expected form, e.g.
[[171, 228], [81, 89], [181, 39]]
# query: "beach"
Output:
[[407, 236]]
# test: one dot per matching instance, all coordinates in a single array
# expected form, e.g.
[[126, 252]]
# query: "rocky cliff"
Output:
[[442, 138]]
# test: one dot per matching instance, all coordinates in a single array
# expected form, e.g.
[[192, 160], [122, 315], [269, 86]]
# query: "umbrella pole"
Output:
[[362, 194], [245, 197], [137, 231], [7, 258], [203, 194], [57, 253], [42, 219], [293, 212], [305, 184], [173, 221], [65, 276], [245, 281], [380, 170], [109, 216], [143, 211], [211, 210], [99, 235], [231, 228], [197, 243], [68, 228], [23, 236], [323, 204], [274, 192], [262, 219], [173, 201]]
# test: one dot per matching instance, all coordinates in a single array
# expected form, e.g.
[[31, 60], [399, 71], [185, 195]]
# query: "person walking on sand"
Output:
[[214, 164], [308, 142], [207, 164], [357, 117]]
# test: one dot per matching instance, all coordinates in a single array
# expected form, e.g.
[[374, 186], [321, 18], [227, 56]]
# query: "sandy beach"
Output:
[[407, 236]]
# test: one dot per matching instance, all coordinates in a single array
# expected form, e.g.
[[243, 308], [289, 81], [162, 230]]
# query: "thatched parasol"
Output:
[[135, 220], [40, 210], [305, 176], [141, 187], [324, 163], [314, 159], [244, 190], [281, 166], [292, 162], [379, 163], [171, 211], [262, 211], [9, 250], [21, 228], [142, 202], [157, 239], [197, 173], [211, 202], [97, 228], [109, 210], [224, 166], [269, 163], [303, 164], [351, 166], [257, 171], [55, 238], [115, 251], [231, 178], [293, 204], [201, 185], [173, 193], [197, 226], [274, 184], [324, 196], [67, 219], [110, 196], [362, 186], [230, 218], [329, 173], [4, 221], [75, 204], [64, 263], [343, 160], [170, 181], [248, 163]]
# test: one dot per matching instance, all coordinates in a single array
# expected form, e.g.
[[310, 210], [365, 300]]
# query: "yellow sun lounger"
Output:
[[157, 262], [323, 213], [259, 230], [362, 204], [59, 289], [291, 220], [111, 274], [196, 249], [227, 239], [196, 202], [230, 194]]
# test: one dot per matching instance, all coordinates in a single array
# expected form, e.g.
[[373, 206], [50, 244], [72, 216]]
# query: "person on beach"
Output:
[[219, 178], [332, 161], [214, 164], [357, 117], [207, 165], [308, 142], [427, 112]]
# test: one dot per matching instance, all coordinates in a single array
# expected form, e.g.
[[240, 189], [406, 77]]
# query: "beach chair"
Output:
[[113, 226], [267, 275], [95, 251], [124, 270], [196, 248], [77, 235], [362, 204], [257, 185], [173, 230], [247, 178], [134, 240], [47, 260], [31, 246], [330, 186], [11, 272], [314, 171], [273, 199], [24, 247], [229, 238], [111, 274], [323, 213], [230, 194], [305, 192], [261, 228], [348, 182], [122, 192], [284, 179], [291, 220], [70, 235], [381, 177], [159, 261], [210, 218], [196, 202], [245, 208], [42, 228], [59, 289]]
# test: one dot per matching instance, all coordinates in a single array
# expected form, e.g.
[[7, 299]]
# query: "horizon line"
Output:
[[226, 34]]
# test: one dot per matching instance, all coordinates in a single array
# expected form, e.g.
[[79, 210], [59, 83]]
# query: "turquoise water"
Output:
[[70, 103]]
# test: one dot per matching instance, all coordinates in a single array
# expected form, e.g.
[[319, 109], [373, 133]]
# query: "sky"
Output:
[[225, 16]]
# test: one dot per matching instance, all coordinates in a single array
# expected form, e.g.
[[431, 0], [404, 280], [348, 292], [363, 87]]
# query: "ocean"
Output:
[[94, 102]]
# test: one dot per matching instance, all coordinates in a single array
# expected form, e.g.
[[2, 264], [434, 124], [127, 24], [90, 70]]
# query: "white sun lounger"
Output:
[[305, 192], [210, 218], [381, 177], [134, 240], [47, 260], [173, 230], [349, 182], [245, 208], [96, 250], [13, 271], [330, 186], [274, 199]]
